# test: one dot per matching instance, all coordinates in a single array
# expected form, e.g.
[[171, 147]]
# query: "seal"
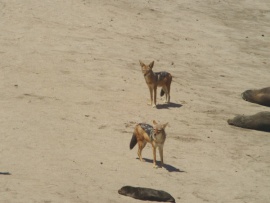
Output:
[[259, 121], [146, 194], [260, 96]]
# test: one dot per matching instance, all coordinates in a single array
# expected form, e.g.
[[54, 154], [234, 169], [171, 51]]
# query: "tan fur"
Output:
[[158, 141], [153, 82]]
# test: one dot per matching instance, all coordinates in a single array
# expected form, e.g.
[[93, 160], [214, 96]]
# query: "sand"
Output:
[[72, 91]]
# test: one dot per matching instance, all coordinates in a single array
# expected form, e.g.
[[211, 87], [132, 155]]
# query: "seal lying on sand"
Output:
[[146, 194], [261, 96], [259, 121]]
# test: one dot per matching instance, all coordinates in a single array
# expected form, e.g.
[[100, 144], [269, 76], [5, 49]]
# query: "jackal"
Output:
[[155, 135], [156, 79]]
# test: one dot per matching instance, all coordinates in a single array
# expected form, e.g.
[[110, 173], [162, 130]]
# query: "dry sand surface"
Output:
[[72, 91]]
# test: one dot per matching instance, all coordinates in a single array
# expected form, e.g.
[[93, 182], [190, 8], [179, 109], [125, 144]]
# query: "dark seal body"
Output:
[[259, 121], [261, 96], [146, 194]]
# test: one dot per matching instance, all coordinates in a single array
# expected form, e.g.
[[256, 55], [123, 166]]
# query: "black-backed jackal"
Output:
[[155, 135], [156, 79]]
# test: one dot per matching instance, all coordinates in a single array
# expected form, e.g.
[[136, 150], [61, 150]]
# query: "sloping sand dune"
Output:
[[72, 91]]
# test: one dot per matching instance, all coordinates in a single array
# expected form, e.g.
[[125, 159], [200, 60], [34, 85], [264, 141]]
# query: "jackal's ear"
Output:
[[154, 122], [164, 125], [151, 65], [141, 63]]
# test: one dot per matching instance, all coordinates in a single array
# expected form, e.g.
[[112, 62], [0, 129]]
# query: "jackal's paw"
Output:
[[154, 106], [155, 166]]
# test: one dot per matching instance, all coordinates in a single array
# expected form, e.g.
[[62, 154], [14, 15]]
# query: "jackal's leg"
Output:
[[168, 93], [155, 97], [165, 89], [160, 148], [169, 90], [154, 157], [141, 145], [151, 95]]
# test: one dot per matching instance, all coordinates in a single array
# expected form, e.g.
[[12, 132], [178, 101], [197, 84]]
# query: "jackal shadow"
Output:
[[168, 167], [5, 173], [168, 105]]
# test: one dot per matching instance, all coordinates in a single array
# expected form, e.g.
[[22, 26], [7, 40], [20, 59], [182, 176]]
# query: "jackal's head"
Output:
[[146, 68], [159, 128]]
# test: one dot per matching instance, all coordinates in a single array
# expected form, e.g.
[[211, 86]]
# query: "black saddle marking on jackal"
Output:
[[148, 129], [161, 75]]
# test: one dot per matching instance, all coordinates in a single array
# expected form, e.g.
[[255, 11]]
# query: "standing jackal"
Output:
[[156, 79], [155, 135]]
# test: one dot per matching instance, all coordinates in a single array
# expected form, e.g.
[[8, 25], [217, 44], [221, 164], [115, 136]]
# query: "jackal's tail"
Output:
[[162, 92], [133, 141]]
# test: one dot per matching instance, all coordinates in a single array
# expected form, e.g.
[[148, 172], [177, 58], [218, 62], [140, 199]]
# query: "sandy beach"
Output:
[[72, 91]]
